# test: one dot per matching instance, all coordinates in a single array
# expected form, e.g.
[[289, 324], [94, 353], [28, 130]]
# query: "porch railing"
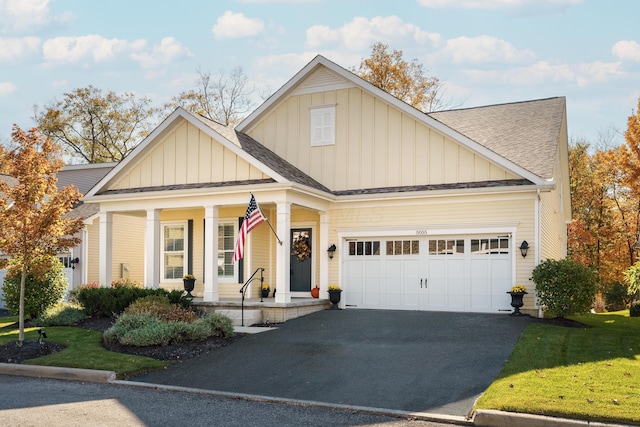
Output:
[[244, 287]]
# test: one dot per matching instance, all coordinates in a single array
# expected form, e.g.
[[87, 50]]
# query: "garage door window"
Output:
[[403, 247], [499, 245], [446, 247], [364, 248]]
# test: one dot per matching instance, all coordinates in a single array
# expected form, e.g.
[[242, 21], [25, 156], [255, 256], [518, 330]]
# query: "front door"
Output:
[[300, 260]]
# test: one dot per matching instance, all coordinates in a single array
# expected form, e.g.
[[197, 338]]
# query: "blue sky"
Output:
[[485, 51]]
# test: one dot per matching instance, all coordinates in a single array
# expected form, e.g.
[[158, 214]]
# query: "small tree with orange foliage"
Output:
[[33, 224]]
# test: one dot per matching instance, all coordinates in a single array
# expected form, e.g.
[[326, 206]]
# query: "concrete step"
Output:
[[251, 317]]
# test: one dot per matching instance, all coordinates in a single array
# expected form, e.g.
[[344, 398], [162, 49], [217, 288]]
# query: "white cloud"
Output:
[[627, 49], [75, 49], [543, 72], [361, 33], [6, 88], [21, 15], [168, 50], [236, 25], [481, 49], [499, 4], [13, 49]]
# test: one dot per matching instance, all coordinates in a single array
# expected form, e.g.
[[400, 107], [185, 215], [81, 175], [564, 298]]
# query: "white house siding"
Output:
[[376, 145]]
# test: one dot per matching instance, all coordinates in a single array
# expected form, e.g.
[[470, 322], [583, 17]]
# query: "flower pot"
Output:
[[265, 293], [516, 302], [315, 292], [334, 297], [189, 284]]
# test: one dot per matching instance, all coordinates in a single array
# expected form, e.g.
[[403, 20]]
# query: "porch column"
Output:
[[106, 247], [283, 254], [324, 256], [211, 292], [152, 249]]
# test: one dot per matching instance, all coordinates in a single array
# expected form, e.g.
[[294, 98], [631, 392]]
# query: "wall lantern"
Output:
[[73, 262], [331, 250], [524, 247]]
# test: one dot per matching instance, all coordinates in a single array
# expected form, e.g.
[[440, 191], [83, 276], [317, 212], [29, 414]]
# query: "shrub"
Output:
[[159, 306], [221, 325], [632, 277], [110, 302], [125, 283], [615, 295], [634, 310], [41, 291], [61, 315], [564, 287]]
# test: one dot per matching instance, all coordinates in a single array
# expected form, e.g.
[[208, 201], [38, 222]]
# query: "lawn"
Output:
[[583, 373], [83, 349]]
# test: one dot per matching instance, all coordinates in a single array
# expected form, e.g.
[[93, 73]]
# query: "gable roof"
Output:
[[451, 132], [527, 133]]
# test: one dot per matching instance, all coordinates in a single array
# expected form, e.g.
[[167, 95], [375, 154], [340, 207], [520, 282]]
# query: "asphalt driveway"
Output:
[[437, 362]]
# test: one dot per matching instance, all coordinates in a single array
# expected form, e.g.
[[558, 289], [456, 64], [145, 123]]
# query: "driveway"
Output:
[[437, 362]]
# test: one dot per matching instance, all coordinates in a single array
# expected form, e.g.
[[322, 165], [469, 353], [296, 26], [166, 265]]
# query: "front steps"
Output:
[[269, 311], [251, 317]]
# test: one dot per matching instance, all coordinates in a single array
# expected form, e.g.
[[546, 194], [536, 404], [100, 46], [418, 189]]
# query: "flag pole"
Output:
[[268, 222]]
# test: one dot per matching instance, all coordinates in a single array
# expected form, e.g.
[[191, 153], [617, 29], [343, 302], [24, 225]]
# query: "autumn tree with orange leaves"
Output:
[[33, 224]]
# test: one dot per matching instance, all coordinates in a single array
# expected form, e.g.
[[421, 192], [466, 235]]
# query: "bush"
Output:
[[110, 302], [615, 296], [159, 306], [632, 277], [220, 325], [564, 287], [40, 292], [61, 315], [125, 283], [634, 310]]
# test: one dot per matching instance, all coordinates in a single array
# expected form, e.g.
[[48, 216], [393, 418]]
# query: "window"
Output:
[[499, 245], [226, 245], [403, 247], [323, 128], [174, 257], [446, 247], [364, 248]]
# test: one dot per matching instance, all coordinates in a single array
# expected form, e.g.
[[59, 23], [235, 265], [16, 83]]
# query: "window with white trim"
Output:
[[226, 245], [174, 250], [323, 126]]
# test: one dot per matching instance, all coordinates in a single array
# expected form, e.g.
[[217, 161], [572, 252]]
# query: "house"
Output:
[[426, 211]]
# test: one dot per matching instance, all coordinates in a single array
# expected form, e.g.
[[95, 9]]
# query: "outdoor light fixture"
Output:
[[331, 250], [524, 247], [73, 262]]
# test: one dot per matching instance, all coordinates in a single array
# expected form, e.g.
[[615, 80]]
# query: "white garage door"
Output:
[[459, 273]]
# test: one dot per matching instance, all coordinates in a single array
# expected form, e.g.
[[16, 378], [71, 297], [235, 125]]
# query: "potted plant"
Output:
[[517, 293], [189, 282], [334, 296], [265, 290]]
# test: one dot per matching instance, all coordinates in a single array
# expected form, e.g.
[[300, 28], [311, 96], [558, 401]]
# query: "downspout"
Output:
[[537, 240]]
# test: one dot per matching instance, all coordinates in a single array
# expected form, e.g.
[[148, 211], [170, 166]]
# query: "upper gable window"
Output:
[[323, 126]]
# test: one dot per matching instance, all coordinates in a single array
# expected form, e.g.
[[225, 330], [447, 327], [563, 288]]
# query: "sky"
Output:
[[484, 51]]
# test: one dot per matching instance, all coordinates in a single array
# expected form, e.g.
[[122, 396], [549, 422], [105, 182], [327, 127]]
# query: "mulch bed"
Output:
[[11, 353]]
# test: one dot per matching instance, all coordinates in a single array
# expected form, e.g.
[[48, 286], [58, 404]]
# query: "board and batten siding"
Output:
[[376, 145], [186, 155]]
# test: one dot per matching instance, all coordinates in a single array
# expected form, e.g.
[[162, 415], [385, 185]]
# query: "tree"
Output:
[[33, 224], [405, 80], [225, 101], [97, 127]]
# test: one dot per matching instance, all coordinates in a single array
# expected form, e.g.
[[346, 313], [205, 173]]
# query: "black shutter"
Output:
[[190, 248]]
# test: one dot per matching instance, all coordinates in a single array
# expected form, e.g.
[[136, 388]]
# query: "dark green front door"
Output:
[[301, 260]]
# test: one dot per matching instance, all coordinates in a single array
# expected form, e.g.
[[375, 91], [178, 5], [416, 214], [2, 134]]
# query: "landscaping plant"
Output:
[[564, 287]]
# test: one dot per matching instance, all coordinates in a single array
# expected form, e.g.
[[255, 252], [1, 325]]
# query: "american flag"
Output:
[[252, 219]]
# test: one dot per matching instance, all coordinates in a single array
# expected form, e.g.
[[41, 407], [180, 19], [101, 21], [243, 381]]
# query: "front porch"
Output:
[[272, 311]]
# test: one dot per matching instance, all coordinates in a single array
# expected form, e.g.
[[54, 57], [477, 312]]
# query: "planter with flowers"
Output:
[[189, 282], [334, 296], [265, 290], [517, 293]]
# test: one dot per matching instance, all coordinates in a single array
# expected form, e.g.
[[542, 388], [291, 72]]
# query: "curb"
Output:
[[57, 373], [492, 418]]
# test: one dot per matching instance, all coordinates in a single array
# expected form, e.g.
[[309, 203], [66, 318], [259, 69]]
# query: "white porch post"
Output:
[[324, 256], [283, 254], [106, 247], [211, 292], [152, 250]]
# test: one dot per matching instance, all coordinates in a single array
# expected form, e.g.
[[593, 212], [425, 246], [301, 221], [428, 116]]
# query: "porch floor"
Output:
[[272, 312]]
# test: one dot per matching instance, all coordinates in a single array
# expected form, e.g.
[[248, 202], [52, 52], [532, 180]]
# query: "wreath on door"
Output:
[[300, 247]]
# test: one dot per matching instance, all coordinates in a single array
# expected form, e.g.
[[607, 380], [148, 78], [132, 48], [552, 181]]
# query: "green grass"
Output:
[[583, 373], [83, 349]]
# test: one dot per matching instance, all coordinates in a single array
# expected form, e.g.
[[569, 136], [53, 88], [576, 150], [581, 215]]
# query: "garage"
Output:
[[438, 273]]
